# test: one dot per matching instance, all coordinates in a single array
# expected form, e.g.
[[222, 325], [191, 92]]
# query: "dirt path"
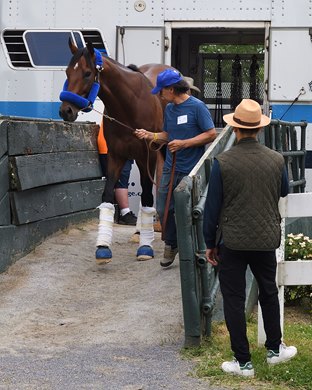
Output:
[[67, 323]]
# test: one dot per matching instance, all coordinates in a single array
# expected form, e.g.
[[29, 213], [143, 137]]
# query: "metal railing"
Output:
[[283, 137]]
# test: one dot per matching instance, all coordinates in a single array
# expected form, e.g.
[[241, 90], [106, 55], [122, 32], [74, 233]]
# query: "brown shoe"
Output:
[[169, 256]]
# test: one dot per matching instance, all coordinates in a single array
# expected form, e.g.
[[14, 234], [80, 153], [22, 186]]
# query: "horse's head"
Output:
[[81, 86]]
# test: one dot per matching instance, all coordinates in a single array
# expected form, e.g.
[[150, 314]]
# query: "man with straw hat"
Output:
[[242, 227], [193, 89]]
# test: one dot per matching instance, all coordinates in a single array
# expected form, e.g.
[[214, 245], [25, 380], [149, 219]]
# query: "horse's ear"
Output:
[[90, 48], [72, 46]]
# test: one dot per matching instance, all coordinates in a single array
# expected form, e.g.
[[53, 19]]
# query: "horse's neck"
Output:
[[118, 87]]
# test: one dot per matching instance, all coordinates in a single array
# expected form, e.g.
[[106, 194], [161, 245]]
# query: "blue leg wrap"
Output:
[[145, 252], [103, 252]]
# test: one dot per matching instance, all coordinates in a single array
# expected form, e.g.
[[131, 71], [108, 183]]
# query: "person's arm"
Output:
[[212, 212], [201, 139], [150, 136]]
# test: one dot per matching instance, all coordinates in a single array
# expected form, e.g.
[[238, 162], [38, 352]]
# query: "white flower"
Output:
[[302, 244]]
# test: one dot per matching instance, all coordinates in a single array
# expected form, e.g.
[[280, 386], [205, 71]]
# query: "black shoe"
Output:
[[128, 219]]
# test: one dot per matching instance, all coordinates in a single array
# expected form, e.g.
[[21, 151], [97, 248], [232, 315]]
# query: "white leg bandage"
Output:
[[105, 229], [147, 226], [138, 222]]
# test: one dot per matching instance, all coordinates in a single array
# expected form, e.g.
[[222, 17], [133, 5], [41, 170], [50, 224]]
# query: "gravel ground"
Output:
[[67, 323]]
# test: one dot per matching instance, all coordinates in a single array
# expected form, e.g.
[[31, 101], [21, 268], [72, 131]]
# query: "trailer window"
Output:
[[49, 48]]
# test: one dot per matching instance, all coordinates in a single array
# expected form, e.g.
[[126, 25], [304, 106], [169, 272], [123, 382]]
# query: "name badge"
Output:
[[182, 119]]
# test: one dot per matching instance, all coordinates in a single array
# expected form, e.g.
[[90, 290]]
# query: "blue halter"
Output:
[[85, 104]]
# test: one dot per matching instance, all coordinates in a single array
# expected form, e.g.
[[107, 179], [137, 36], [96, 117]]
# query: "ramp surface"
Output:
[[67, 323]]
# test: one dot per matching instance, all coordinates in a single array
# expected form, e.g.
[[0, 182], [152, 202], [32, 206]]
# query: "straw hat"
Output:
[[190, 82], [247, 115]]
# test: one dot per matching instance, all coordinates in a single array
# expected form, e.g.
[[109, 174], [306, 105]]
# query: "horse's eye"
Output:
[[87, 75]]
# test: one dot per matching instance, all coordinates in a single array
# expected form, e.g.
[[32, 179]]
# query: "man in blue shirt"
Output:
[[188, 127]]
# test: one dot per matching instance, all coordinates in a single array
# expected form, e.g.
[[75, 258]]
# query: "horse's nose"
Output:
[[67, 113]]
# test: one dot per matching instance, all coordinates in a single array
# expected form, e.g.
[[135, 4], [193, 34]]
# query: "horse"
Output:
[[126, 95]]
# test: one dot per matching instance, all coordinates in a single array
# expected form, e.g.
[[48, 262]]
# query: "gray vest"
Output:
[[252, 175]]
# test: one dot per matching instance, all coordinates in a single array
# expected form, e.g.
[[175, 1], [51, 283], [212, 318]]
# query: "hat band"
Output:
[[246, 123]]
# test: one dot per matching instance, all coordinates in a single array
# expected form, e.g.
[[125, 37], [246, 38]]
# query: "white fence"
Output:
[[289, 273]]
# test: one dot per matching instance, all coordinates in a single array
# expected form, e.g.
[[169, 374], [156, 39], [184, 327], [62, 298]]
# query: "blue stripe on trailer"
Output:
[[296, 113], [45, 110]]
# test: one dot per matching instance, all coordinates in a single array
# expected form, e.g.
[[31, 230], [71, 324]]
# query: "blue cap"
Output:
[[165, 78]]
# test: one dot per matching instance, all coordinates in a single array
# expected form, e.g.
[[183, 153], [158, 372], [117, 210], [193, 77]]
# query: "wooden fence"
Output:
[[50, 177]]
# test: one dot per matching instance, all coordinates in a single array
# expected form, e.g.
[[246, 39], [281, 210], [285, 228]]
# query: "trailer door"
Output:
[[140, 45], [266, 107]]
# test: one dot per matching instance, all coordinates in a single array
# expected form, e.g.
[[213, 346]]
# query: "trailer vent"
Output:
[[96, 39], [16, 48], [16, 45]]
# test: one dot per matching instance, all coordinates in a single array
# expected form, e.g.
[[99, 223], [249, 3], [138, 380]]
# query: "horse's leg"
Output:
[[103, 252], [145, 250]]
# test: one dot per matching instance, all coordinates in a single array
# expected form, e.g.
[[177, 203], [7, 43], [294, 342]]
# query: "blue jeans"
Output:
[[123, 181], [170, 236]]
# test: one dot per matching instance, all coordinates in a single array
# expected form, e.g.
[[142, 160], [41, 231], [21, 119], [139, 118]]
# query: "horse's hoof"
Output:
[[145, 252], [157, 226], [103, 255], [135, 238]]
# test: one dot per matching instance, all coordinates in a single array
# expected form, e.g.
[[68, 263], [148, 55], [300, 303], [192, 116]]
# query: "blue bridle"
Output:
[[85, 104]]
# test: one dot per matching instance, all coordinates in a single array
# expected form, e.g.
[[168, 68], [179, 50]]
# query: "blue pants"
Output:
[[170, 236], [232, 276], [123, 181]]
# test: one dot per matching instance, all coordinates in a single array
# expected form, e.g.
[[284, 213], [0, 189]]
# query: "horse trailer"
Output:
[[232, 49]]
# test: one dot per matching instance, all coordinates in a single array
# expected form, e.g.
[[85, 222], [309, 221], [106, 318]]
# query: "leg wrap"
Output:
[[138, 223], [105, 228], [147, 227]]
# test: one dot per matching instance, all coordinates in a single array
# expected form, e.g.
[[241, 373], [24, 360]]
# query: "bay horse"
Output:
[[126, 95]]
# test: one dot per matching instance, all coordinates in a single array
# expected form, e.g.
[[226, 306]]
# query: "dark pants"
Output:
[[232, 275]]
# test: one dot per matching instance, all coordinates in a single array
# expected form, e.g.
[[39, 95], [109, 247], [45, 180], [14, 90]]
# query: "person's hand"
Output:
[[176, 144], [212, 256], [142, 133]]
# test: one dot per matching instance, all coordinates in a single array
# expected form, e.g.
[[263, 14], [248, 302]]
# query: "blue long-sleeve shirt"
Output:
[[214, 202]]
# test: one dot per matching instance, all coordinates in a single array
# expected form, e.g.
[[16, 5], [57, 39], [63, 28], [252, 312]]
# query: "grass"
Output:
[[296, 374]]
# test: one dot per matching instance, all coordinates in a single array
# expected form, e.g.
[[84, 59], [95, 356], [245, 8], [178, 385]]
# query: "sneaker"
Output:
[[169, 256], [235, 368], [128, 219], [283, 355]]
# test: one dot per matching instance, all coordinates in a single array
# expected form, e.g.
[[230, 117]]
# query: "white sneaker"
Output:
[[284, 354], [236, 369]]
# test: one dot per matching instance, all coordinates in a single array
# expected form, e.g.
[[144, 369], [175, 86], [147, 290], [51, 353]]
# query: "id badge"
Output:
[[182, 119]]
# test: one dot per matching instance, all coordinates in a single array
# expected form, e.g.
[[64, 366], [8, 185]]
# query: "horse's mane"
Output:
[[134, 68]]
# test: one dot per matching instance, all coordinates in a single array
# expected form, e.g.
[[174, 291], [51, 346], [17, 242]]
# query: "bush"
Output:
[[298, 247]]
